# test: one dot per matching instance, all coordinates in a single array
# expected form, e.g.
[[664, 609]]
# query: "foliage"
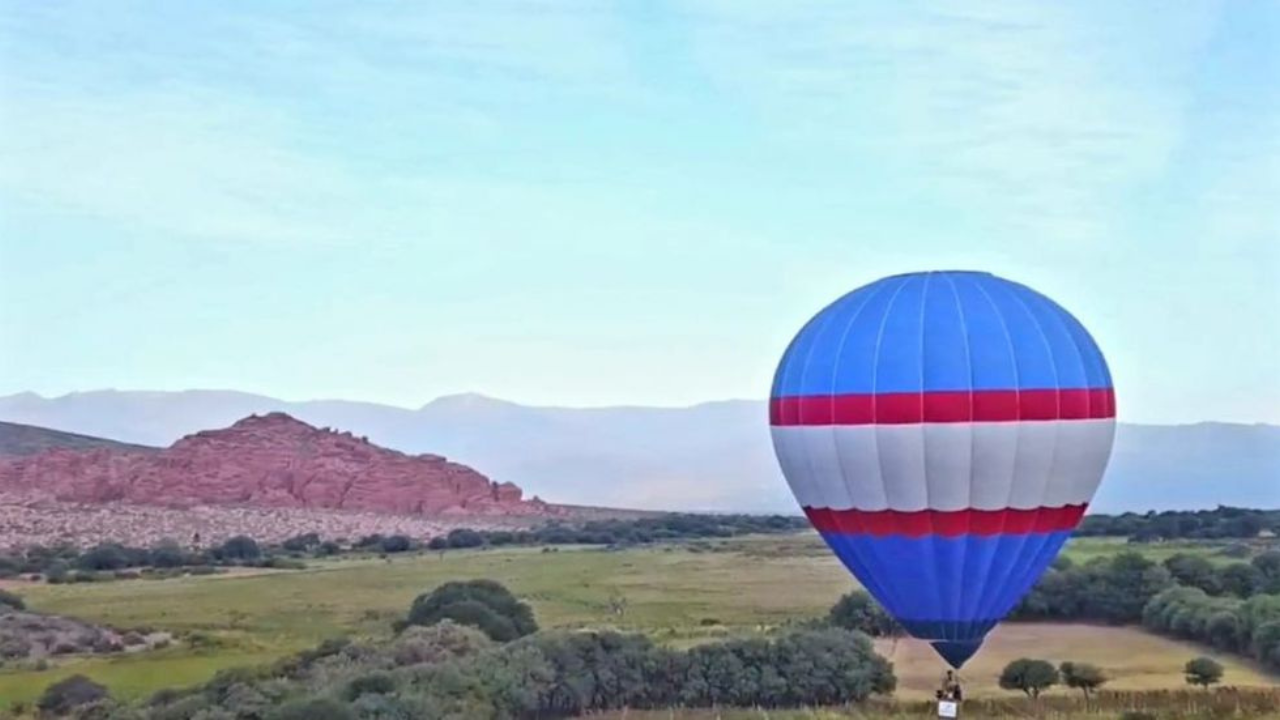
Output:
[[859, 611], [1082, 676], [482, 604], [396, 544], [64, 696], [1203, 671], [240, 547], [1029, 676], [1221, 522], [1114, 590], [11, 600], [1247, 627], [315, 709]]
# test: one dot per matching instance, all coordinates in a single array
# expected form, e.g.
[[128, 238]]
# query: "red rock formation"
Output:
[[271, 460]]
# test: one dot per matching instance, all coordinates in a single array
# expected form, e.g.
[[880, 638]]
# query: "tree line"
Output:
[[473, 650], [1235, 607], [1220, 523], [105, 561]]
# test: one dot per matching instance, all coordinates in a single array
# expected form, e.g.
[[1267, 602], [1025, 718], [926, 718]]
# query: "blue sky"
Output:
[[634, 202]]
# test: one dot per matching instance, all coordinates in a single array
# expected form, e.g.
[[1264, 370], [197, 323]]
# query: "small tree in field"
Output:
[[1030, 676], [65, 695], [1203, 671], [1082, 676]]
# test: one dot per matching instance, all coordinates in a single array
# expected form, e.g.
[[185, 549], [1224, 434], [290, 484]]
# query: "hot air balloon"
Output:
[[944, 432]]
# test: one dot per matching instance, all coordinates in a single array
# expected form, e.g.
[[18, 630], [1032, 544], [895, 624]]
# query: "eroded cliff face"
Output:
[[271, 460]]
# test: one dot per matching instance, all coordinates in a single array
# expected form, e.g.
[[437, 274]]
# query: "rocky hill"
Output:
[[271, 460], [18, 439]]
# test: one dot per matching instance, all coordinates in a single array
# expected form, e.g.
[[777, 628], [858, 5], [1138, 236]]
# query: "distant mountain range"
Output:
[[713, 456]]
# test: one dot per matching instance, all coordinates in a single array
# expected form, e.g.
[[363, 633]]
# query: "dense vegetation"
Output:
[[1234, 607], [638, 531], [438, 668], [108, 561], [1219, 523], [483, 604]]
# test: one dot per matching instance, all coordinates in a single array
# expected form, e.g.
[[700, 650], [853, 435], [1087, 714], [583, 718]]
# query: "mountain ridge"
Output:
[[713, 456]]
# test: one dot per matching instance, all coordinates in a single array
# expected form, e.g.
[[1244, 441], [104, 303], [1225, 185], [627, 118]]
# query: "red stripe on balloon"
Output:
[[943, 407], [881, 523]]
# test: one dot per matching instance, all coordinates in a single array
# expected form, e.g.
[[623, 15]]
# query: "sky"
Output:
[[637, 202]]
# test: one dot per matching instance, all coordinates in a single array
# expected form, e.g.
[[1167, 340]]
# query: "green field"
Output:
[[678, 594]]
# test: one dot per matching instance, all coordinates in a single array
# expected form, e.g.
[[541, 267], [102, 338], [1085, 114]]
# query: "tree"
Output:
[[1268, 565], [482, 604], [64, 696], [106, 556], [1241, 579], [1194, 571], [301, 543], [465, 538], [1203, 671], [438, 542], [395, 544], [1029, 676], [1082, 676], [167, 554], [859, 611], [240, 547]]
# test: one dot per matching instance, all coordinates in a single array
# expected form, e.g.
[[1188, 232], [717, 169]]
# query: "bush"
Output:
[[482, 604], [314, 709], [465, 538], [240, 547], [443, 641], [438, 542], [1082, 676], [378, 683], [66, 695], [12, 600], [168, 554], [107, 556], [1029, 676], [1203, 671], [395, 544], [859, 611]]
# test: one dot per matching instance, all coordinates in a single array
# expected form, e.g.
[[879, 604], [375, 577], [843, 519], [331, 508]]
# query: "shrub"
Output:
[[465, 538], [482, 604], [1082, 676], [240, 547], [395, 544], [168, 554], [859, 611], [66, 695], [1029, 676], [1203, 671], [106, 556], [438, 542], [12, 600], [445, 640], [314, 709], [378, 683]]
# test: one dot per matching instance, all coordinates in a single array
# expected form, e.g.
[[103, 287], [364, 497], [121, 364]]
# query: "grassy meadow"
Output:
[[677, 594]]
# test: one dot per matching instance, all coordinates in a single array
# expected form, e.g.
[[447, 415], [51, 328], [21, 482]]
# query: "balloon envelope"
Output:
[[944, 432]]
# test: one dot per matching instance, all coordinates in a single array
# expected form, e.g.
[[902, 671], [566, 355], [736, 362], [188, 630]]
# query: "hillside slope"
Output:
[[18, 440]]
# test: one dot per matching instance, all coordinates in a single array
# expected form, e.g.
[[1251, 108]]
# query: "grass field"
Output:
[[677, 594]]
